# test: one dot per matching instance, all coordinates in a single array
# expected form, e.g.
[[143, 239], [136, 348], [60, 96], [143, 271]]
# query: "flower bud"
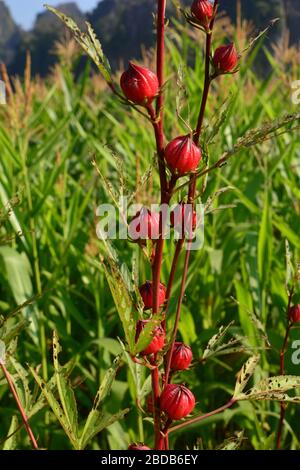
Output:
[[225, 58], [203, 11], [138, 447], [294, 313], [177, 401], [182, 357], [146, 291], [157, 342], [182, 155], [139, 84], [144, 226], [181, 218]]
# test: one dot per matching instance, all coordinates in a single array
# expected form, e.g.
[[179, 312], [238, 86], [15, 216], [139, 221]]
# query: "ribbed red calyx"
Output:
[[157, 342], [139, 84], [294, 313], [146, 291], [177, 401], [138, 447], [225, 58], [203, 11], [182, 356], [183, 218], [182, 155], [144, 226]]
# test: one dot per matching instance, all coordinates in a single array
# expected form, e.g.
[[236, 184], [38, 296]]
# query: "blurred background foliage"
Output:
[[50, 131]]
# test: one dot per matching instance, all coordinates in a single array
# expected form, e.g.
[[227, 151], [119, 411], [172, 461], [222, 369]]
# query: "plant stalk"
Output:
[[19, 405]]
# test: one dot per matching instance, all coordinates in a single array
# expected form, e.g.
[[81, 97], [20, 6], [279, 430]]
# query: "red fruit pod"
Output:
[[182, 217], [146, 291], [203, 11], [182, 356], [294, 314], [138, 447], [225, 58], [182, 155], [157, 342], [144, 226], [177, 401], [139, 84]]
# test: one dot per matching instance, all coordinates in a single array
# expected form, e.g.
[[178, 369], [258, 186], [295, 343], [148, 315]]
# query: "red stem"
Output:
[[282, 369], [192, 191], [197, 419], [19, 404]]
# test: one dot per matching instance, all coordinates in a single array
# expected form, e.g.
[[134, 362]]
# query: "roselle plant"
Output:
[[151, 341]]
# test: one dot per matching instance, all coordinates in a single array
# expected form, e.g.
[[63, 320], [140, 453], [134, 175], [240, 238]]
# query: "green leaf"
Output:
[[56, 408], [65, 391], [233, 443], [96, 421], [244, 375], [11, 442], [124, 294], [264, 249], [88, 41], [273, 388]]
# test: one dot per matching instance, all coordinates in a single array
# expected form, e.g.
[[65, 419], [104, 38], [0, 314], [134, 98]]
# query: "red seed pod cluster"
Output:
[[203, 11], [157, 342], [182, 155], [181, 357], [139, 84], [138, 447], [183, 218], [144, 226], [177, 401], [146, 291], [225, 58], [294, 314]]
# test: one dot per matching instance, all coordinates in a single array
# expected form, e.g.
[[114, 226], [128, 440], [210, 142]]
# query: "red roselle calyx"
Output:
[[157, 342], [294, 314], [203, 11], [182, 217], [225, 58], [144, 226], [146, 291], [177, 401], [182, 155], [139, 84], [182, 356], [138, 447]]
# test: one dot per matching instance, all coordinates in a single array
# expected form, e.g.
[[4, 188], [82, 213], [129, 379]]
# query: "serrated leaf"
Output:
[[11, 442], [146, 335], [214, 341], [65, 391], [98, 422], [233, 443], [273, 388], [56, 408], [41, 401], [126, 302], [88, 42], [245, 374], [107, 382], [23, 376]]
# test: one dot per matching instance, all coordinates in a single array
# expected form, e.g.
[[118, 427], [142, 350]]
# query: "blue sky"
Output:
[[24, 11]]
